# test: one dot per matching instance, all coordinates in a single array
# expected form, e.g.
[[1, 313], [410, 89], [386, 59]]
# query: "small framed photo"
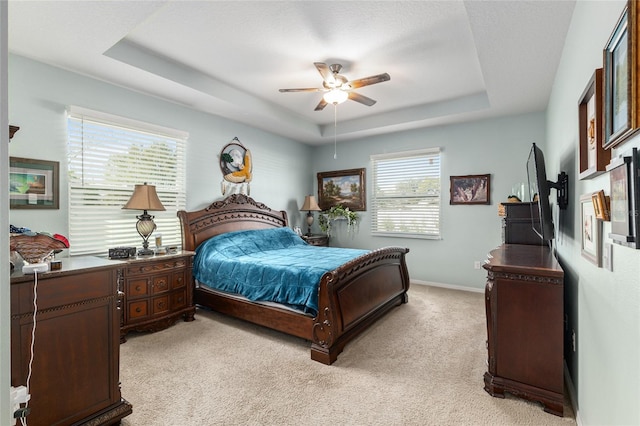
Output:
[[591, 231], [33, 184], [621, 79], [601, 205], [342, 187], [470, 189], [593, 157], [624, 211]]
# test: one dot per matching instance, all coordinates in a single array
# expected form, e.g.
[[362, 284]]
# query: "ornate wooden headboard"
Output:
[[235, 213]]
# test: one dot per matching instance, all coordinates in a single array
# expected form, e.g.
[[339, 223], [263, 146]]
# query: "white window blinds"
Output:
[[406, 194], [107, 157]]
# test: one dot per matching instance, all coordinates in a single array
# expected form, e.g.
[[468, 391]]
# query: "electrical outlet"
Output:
[[476, 264]]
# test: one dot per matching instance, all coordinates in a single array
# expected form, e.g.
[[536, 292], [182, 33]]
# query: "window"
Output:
[[107, 156], [406, 194]]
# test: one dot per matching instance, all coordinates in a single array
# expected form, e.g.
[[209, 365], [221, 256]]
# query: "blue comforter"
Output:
[[273, 265]]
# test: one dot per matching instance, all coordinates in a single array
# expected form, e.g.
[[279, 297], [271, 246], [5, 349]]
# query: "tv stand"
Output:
[[524, 309]]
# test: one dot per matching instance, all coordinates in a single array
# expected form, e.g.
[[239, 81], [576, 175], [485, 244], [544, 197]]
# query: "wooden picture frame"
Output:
[[342, 187], [591, 227], [593, 157], [621, 79], [33, 184], [470, 189], [624, 211], [601, 205]]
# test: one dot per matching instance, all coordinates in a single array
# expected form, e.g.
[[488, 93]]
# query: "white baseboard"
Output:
[[572, 394], [451, 286]]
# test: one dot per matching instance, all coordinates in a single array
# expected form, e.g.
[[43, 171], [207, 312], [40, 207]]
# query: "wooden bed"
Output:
[[350, 299]]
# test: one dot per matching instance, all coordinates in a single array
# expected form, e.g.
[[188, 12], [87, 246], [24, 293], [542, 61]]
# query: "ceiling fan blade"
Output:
[[321, 105], [360, 98], [369, 80], [325, 72], [310, 89]]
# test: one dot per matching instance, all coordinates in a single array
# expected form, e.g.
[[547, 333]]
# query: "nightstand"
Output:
[[317, 239], [156, 292]]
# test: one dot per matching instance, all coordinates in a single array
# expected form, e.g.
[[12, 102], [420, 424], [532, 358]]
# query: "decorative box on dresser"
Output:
[[157, 291], [524, 308], [76, 350]]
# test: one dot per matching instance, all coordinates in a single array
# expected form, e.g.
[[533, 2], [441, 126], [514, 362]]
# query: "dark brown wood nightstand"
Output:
[[156, 292], [317, 239]]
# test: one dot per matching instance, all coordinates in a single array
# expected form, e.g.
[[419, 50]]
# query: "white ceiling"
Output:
[[449, 61]]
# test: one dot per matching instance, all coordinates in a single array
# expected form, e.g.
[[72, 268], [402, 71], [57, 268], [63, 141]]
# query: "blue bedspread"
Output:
[[272, 265]]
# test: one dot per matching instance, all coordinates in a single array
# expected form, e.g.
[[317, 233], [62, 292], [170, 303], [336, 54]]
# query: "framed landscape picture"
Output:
[[33, 184], [469, 189], [342, 187]]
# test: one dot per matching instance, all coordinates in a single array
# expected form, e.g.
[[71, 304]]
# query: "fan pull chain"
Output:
[[335, 125]]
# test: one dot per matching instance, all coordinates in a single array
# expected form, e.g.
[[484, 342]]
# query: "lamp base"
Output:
[[145, 252]]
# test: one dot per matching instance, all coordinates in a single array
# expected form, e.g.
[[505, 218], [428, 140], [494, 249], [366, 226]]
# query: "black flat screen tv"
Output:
[[539, 191]]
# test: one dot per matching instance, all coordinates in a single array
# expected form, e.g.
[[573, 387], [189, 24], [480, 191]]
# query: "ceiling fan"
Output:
[[338, 89]]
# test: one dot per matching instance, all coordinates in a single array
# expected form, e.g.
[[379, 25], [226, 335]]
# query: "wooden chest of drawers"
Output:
[[156, 292], [76, 351]]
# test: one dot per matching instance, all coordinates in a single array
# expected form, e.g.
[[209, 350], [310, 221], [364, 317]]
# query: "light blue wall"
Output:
[[603, 307], [39, 95], [499, 147]]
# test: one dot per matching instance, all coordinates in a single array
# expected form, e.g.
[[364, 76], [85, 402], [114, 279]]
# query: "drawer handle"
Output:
[[161, 304], [180, 299], [179, 279], [138, 310], [138, 288]]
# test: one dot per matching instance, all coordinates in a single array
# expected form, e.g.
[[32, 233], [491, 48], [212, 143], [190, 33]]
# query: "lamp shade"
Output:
[[336, 96], [144, 197], [310, 204]]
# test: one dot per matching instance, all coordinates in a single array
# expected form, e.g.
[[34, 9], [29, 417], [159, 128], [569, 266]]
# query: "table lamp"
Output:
[[310, 205], [144, 198]]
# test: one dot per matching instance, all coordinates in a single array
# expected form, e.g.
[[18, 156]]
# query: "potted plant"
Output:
[[338, 212]]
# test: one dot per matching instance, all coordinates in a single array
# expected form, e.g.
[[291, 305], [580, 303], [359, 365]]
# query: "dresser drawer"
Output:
[[161, 304], [139, 287], [160, 283], [179, 279], [154, 266], [178, 299], [138, 309]]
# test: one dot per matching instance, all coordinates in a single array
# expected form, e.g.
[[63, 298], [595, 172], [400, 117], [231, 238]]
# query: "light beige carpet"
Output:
[[422, 364]]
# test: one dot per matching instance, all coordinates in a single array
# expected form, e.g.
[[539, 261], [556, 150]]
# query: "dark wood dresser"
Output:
[[75, 369], [524, 308], [157, 291]]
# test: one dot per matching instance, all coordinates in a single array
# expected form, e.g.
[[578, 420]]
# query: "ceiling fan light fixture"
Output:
[[336, 96]]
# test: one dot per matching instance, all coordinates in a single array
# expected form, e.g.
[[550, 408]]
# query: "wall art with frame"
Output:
[[470, 189], [591, 231], [33, 184], [593, 157], [624, 208], [342, 187], [621, 79]]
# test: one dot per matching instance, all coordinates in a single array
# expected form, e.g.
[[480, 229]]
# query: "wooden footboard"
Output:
[[353, 296]]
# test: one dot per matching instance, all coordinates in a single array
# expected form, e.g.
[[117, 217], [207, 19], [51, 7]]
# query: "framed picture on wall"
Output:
[[624, 212], [593, 157], [469, 189], [342, 187], [621, 78], [591, 231], [33, 184]]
